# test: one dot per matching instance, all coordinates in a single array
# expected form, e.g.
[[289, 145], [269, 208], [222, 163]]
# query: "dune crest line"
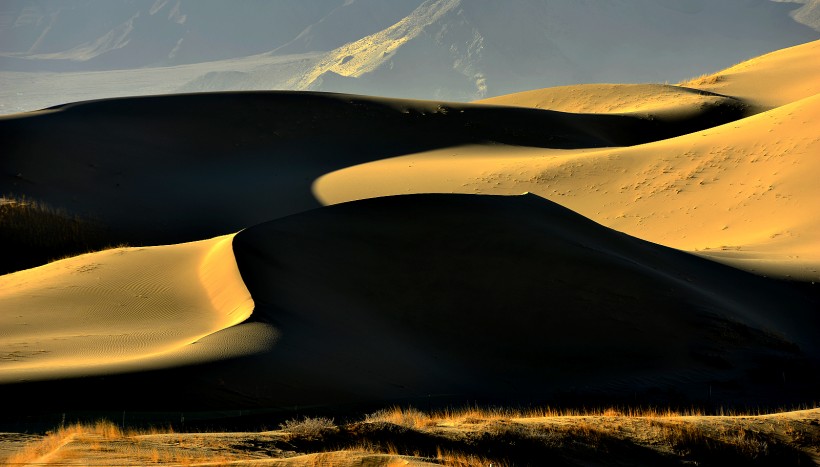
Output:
[[121, 310]]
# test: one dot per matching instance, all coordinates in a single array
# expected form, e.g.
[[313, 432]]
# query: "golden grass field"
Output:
[[459, 438]]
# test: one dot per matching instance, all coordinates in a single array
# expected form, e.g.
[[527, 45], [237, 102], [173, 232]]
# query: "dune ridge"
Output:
[[657, 100], [523, 281], [357, 303], [774, 79], [741, 192], [120, 310], [264, 147]]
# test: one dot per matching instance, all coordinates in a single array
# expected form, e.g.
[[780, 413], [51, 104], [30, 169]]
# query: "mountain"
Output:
[[808, 14], [106, 34], [457, 49], [435, 49]]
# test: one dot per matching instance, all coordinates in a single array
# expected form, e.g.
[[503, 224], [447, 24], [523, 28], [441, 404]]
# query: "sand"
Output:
[[602, 284], [627, 99], [742, 192], [178, 168], [422, 299], [771, 80], [122, 310]]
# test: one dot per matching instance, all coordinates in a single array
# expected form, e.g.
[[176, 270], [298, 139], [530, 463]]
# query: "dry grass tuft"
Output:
[[309, 428], [59, 437], [35, 234], [104, 437], [703, 80], [455, 459], [407, 417], [415, 419]]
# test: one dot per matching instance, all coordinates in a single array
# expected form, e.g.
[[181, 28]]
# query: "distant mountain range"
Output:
[[442, 49]]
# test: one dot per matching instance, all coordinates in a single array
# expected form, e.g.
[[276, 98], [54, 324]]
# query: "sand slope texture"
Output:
[[121, 310], [743, 192], [433, 298]]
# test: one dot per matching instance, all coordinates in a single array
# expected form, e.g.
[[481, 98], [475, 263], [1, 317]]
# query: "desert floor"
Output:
[[397, 437]]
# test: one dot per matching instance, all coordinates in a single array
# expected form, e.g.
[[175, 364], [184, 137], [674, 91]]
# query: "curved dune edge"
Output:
[[126, 309], [771, 80], [501, 297], [623, 99], [743, 193]]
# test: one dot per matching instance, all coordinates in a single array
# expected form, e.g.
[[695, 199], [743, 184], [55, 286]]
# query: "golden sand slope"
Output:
[[121, 309], [771, 80], [630, 99], [767, 81], [743, 192]]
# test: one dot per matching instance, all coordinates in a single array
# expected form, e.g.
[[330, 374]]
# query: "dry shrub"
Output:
[[802, 435], [612, 412], [309, 427], [703, 80], [35, 234], [57, 438], [407, 417], [457, 459]]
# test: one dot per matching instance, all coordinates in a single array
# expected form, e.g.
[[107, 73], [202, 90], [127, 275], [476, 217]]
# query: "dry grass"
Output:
[[413, 418], [104, 438], [308, 427], [703, 80], [35, 234], [59, 437], [464, 437], [451, 459]]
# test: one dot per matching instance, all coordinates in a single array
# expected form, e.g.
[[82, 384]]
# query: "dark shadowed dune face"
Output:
[[439, 299], [511, 297], [185, 167]]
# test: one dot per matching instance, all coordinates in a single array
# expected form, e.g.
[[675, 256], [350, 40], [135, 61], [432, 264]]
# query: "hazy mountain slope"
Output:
[[349, 22], [107, 34], [443, 49], [473, 49], [808, 14]]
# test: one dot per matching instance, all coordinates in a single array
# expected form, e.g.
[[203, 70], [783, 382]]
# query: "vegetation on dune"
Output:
[[470, 437], [33, 234], [703, 80]]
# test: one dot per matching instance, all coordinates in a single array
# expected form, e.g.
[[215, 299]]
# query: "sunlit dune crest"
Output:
[[743, 192], [122, 309], [629, 99], [771, 80]]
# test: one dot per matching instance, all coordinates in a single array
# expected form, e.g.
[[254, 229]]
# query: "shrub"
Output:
[[308, 427]]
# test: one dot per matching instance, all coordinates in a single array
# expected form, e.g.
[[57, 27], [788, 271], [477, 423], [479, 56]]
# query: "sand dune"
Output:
[[447, 294], [426, 298], [158, 170], [121, 310], [743, 192], [763, 82], [659, 100], [772, 80], [413, 298]]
